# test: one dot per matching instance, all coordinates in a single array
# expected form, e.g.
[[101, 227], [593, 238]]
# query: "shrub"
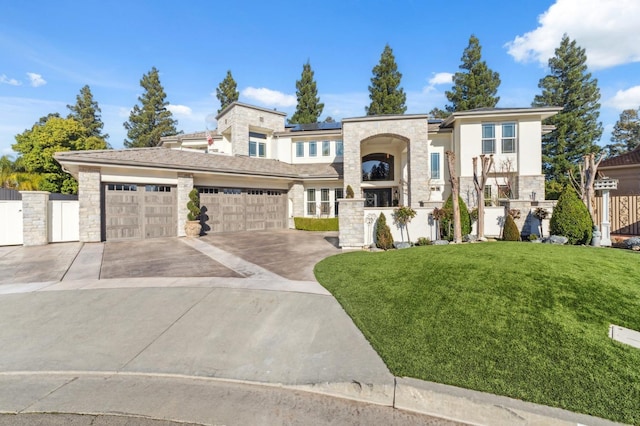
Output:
[[422, 241], [571, 218], [446, 224], [533, 237], [384, 240], [510, 232], [316, 224], [193, 205], [350, 193]]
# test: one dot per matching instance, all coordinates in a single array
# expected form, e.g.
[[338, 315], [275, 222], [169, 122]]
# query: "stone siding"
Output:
[[237, 121], [296, 201], [35, 218], [526, 185], [351, 222], [185, 185], [89, 201]]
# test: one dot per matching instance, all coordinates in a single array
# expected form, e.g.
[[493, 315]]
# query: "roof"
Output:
[[164, 158], [257, 108], [630, 158], [543, 112]]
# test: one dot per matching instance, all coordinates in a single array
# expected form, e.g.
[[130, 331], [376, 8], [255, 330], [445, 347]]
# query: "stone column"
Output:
[[351, 222], [296, 202], [185, 185], [89, 203], [35, 218]]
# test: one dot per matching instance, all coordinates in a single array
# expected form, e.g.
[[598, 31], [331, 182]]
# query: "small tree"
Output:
[[584, 188], [446, 221], [571, 218], [384, 240], [402, 216], [350, 193], [479, 184], [510, 232], [541, 214], [455, 190], [194, 205]]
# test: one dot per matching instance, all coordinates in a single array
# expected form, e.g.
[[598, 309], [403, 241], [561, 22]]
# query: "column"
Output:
[[89, 203], [351, 222], [185, 185], [35, 218]]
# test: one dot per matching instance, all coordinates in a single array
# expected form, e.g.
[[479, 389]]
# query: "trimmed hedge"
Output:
[[316, 224], [510, 232], [571, 218]]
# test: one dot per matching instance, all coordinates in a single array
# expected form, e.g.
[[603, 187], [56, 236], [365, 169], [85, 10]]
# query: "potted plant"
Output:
[[193, 226]]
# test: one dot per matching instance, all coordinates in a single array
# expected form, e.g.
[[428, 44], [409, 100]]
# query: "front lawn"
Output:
[[529, 321]]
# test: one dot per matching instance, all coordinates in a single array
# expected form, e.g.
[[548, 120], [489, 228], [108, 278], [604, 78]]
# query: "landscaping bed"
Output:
[[528, 321]]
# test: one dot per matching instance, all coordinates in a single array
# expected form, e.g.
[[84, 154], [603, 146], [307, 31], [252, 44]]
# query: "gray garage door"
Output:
[[241, 209], [134, 211]]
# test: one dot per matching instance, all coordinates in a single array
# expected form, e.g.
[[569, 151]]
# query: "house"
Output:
[[257, 172], [626, 169]]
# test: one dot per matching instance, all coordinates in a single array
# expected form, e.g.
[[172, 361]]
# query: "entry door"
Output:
[[379, 197]]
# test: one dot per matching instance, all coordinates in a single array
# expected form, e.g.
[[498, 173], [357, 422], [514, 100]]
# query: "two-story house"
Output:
[[257, 172]]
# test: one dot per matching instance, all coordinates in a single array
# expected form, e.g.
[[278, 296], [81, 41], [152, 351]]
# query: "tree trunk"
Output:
[[479, 184], [590, 172], [455, 193]]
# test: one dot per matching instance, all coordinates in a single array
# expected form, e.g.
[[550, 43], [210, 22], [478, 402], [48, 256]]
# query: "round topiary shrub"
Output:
[[446, 224], [510, 231], [384, 240], [571, 218]]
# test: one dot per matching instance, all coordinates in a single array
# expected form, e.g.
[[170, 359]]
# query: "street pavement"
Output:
[[229, 329]]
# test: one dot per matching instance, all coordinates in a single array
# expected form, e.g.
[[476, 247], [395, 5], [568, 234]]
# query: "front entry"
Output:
[[378, 197]]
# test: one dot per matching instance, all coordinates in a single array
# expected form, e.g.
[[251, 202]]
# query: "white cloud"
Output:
[[180, 110], [269, 97], [36, 79], [11, 81], [625, 99], [607, 30], [441, 78]]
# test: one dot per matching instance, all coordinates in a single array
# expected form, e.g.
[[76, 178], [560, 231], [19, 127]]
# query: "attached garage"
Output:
[[242, 209], [133, 211]]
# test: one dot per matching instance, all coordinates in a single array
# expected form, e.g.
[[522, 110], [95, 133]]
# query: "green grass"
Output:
[[529, 321]]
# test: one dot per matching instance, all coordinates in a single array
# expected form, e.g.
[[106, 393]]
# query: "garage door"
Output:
[[134, 211], [240, 209]]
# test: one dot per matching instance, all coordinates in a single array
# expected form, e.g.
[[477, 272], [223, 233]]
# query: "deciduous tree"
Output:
[[387, 97], [309, 107], [227, 91], [576, 128], [150, 120], [455, 191], [476, 85], [479, 183]]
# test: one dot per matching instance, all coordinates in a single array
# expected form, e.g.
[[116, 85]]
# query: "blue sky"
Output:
[[49, 50]]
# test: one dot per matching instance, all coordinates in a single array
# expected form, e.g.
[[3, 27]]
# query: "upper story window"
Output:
[[377, 166], [299, 149], [508, 138], [488, 138], [326, 148], [339, 149], [313, 149], [435, 165], [257, 145]]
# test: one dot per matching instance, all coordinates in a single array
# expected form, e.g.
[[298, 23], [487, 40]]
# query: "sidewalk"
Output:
[[255, 348]]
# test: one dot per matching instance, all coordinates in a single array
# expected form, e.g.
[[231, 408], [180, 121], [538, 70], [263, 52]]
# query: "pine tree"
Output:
[[87, 112], [576, 127], [309, 107], [227, 91], [152, 120], [626, 133], [476, 85], [387, 97]]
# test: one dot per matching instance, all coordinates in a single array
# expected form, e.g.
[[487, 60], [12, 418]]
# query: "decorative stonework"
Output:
[[296, 200], [89, 204], [236, 121], [351, 222], [35, 218], [185, 185]]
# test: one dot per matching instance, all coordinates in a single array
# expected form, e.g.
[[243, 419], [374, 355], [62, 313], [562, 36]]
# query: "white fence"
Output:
[[63, 222]]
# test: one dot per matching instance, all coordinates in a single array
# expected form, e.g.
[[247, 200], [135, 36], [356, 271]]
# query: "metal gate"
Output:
[[134, 211], [236, 209]]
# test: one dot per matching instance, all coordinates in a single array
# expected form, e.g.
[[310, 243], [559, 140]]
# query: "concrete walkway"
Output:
[[247, 347]]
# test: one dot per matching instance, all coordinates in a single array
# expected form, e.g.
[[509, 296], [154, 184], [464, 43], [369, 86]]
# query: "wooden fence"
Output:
[[624, 214]]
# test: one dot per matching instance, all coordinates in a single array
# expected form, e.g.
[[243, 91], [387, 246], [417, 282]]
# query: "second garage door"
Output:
[[239, 209]]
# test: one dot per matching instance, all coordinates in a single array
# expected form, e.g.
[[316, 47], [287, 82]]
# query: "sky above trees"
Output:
[[50, 51]]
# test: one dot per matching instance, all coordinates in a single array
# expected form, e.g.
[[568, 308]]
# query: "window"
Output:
[[339, 149], [504, 191], [299, 149], [377, 166], [257, 148], [253, 146], [488, 139], [326, 148], [339, 193], [313, 149], [262, 149], [311, 202], [435, 165], [325, 205], [509, 138], [122, 187], [157, 188], [487, 195]]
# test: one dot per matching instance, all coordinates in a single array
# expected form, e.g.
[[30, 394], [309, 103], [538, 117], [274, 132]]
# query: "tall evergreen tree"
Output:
[[227, 91], [626, 133], [152, 120], [87, 112], [576, 127], [476, 85], [387, 97], [309, 107]]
